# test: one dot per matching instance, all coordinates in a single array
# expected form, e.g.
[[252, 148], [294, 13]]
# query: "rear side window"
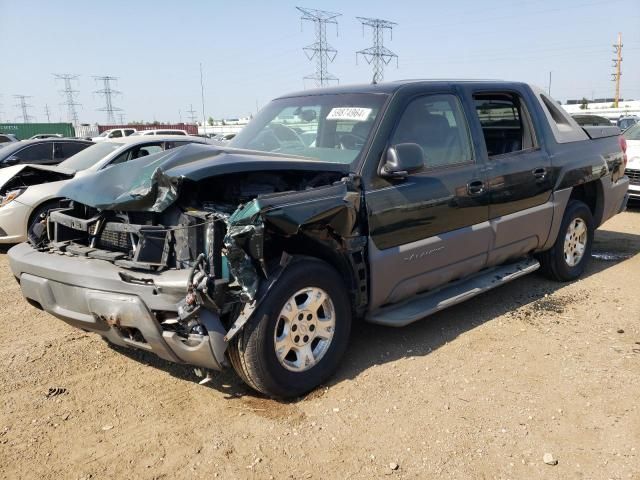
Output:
[[438, 125], [36, 153], [116, 134], [64, 150], [505, 122], [128, 131]]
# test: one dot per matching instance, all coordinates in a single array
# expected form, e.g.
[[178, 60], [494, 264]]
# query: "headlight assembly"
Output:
[[10, 196]]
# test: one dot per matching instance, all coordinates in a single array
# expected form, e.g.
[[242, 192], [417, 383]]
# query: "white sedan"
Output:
[[632, 136], [28, 191]]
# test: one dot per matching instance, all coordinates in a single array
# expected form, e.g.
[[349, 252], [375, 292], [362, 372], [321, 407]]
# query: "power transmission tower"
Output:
[[121, 118], [69, 95], [192, 114], [378, 55], [108, 93], [617, 64], [320, 49], [47, 113], [24, 106]]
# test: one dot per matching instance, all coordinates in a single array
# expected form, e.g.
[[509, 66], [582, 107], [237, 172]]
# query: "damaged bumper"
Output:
[[126, 310]]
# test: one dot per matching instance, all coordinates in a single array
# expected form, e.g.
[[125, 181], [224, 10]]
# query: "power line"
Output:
[[617, 65], [108, 93], [69, 95], [24, 107], [121, 118], [378, 55], [320, 49], [192, 114]]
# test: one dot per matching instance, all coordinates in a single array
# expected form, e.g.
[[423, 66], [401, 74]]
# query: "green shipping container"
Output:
[[23, 131]]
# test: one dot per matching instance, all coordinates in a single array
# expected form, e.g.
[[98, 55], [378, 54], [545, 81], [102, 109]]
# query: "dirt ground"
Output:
[[480, 391]]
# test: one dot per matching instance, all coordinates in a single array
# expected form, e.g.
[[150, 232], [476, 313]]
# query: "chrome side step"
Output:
[[428, 303]]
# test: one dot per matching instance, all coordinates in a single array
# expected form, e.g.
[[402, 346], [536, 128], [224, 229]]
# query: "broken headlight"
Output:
[[11, 195]]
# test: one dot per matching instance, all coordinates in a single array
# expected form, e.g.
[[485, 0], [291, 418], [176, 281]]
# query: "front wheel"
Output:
[[297, 336], [568, 257]]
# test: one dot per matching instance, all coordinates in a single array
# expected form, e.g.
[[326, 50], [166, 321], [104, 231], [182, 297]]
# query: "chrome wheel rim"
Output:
[[575, 242], [304, 329]]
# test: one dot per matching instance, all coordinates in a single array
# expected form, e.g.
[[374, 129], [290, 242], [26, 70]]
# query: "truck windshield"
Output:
[[332, 127]]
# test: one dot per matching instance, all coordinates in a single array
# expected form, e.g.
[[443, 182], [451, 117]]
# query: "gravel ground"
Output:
[[483, 390]]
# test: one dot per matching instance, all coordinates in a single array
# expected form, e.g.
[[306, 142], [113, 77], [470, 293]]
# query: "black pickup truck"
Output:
[[384, 202]]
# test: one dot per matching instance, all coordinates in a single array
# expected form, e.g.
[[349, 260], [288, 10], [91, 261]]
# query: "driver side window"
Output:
[[436, 123]]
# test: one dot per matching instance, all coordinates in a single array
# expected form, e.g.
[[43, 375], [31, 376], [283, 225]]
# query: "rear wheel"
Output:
[[296, 338], [568, 257]]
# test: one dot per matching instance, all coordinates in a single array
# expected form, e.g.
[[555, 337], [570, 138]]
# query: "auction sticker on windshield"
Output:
[[357, 114]]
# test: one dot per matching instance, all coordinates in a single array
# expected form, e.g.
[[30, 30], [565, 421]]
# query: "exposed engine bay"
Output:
[[30, 175]]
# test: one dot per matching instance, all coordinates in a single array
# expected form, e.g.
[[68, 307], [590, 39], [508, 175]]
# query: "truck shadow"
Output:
[[372, 345]]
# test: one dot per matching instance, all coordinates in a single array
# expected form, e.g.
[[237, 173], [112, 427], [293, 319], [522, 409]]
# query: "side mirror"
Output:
[[13, 160], [402, 159]]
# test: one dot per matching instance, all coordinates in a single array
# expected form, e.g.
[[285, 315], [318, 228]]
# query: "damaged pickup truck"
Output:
[[385, 202]]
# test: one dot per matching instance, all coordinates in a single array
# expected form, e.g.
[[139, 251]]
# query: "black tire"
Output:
[[553, 261], [252, 352], [36, 218]]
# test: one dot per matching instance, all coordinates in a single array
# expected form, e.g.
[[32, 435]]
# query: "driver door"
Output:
[[430, 227]]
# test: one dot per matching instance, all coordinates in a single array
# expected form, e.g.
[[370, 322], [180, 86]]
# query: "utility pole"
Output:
[[204, 118], [377, 55], [617, 64], [108, 93], [192, 114], [549, 84], [47, 113], [24, 106], [69, 95], [320, 49], [121, 117]]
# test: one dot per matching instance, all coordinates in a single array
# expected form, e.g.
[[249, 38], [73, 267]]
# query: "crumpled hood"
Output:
[[7, 173], [152, 183]]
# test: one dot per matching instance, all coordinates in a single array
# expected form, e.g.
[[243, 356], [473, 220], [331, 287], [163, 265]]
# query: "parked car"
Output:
[[258, 255], [161, 132], [114, 133], [632, 137], [40, 136], [49, 151], [7, 139], [27, 192], [626, 122]]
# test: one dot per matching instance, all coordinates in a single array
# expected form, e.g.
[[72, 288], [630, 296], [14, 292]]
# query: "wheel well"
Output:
[[591, 194], [48, 203], [350, 265]]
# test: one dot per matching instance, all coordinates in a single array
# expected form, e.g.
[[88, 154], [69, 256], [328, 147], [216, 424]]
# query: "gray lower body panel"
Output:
[[89, 294], [426, 304]]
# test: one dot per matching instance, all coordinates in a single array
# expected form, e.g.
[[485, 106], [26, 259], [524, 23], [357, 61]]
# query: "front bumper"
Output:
[[13, 222], [90, 294]]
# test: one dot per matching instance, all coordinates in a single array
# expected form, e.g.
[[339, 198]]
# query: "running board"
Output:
[[428, 303]]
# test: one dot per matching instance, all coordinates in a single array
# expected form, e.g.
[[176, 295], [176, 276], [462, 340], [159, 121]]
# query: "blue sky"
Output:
[[251, 51]]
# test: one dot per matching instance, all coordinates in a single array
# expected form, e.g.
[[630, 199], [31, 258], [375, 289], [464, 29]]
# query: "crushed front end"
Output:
[[182, 280]]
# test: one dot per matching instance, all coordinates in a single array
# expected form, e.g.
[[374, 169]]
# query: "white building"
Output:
[[604, 109]]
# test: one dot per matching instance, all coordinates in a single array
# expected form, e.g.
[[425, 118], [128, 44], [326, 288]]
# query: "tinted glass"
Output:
[[40, 152], [438, 125], [64, 150], [332, 128], [170, 132], [116, 134]]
